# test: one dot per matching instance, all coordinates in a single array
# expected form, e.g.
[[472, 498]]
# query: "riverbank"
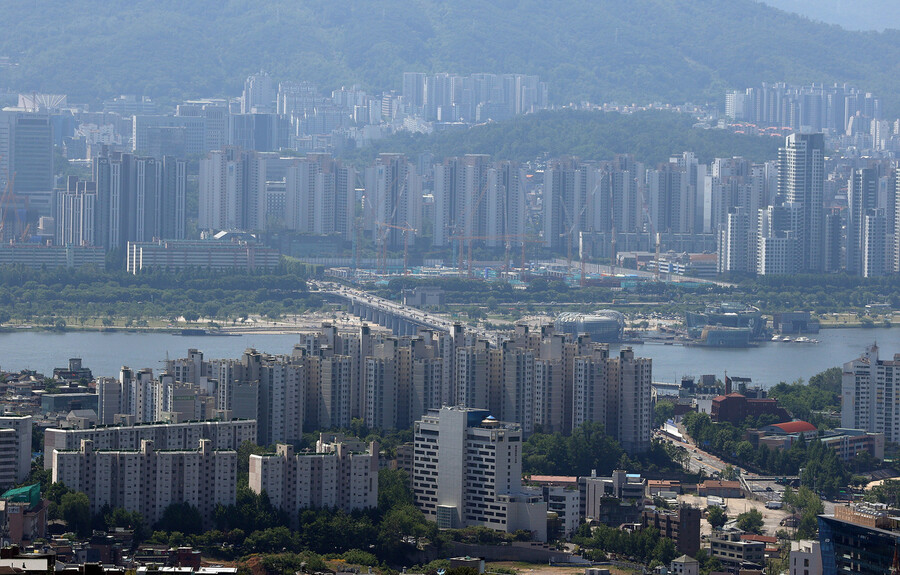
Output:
[[259, 325]]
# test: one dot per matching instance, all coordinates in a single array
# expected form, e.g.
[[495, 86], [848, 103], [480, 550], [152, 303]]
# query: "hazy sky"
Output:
[[851, 14]]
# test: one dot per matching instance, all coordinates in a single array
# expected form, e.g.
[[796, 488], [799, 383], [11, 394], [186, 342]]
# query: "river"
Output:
[[766, 364]]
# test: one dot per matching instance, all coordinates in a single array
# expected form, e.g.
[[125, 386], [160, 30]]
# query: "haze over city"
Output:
[[450, 288]]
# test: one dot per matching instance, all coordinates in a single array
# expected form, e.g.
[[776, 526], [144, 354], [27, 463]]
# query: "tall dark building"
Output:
[[858, 541], [861, 197], [26, 158], [139, 198]]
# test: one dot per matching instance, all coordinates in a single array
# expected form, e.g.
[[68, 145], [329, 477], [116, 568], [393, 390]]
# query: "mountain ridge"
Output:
[[602, 50]]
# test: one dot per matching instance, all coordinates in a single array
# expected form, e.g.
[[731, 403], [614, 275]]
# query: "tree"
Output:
[[751, 521], [809, 505], [182, 517], [662, 411], [393, 489], [75, 509], [729, 473], [716, 516]]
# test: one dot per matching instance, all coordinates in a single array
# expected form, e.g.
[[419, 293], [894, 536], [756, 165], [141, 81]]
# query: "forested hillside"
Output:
[[602, 50], [652, 136]]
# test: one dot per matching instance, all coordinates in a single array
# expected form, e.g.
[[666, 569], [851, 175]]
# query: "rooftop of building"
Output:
[[554, 479], [760, 538], [723, 484], [794, 427]]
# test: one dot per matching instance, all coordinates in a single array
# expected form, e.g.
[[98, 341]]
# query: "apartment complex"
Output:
[[467, 472], [537, 377], [334, 477], [148, 480], [223, 435]]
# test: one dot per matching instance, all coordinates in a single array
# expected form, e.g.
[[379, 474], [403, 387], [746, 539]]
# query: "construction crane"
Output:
[[466, 217], [657, 255], [382, 227], [566, 235], [508, 238], [7, 205], [406, 231]]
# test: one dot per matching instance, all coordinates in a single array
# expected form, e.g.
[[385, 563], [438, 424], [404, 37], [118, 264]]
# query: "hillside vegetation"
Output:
[[652, 136], [602, 50]]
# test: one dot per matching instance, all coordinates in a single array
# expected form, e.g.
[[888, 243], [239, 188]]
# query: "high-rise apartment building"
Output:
[[232, 190], [227, 435], [15, 455], [339, 478], [139, 199], [468, 472], [76, 214], [259, 94], [148, 480], [801, 180], [628, 412], [874, 244], [737, 243], [869, 398], [861, 198], [320, 197], [393, 200]]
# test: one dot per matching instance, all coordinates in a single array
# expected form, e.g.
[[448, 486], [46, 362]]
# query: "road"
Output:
[[699, 460]]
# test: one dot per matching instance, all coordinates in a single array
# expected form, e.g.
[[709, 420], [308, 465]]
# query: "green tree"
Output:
[[75, 509], [716, 516], [393, 489], [182, 517], [662, 411], [751, 521], [729, 473]]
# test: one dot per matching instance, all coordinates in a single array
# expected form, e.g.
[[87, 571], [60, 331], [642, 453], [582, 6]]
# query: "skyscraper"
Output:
[[861, 197], [801, 181]]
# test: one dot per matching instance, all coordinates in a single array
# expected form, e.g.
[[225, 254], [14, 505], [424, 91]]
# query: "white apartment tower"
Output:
[[467, 472], [336, 478], [628, 412], [870, 398], [15, 455]]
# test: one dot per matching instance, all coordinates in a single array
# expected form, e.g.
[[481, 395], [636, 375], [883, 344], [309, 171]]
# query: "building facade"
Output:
[[147, 480], [334, 478], [468, 470]]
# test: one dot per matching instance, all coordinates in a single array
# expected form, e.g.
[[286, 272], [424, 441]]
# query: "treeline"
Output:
[[823, 471], [89, 292], [589, 448], [808, 401], [253, 525], [644, 546], [652, 137], [820, 293]]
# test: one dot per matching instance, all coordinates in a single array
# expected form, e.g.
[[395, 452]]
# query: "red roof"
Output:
[[795, 426]]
